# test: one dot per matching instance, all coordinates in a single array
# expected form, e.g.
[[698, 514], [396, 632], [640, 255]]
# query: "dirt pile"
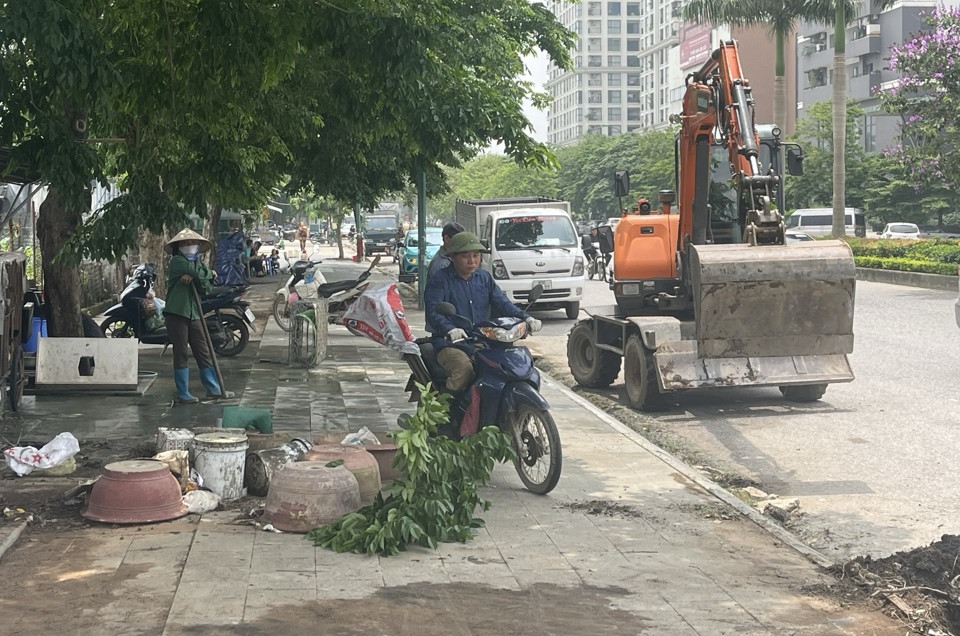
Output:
[[920, 587]]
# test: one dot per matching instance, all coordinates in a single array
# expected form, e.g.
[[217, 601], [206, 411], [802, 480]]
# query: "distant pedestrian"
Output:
[[302, 235]]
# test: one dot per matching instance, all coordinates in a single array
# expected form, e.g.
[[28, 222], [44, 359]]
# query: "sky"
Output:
[[537, 73]]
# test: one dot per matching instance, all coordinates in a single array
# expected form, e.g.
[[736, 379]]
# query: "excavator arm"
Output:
[[719, 101], [758, 298]]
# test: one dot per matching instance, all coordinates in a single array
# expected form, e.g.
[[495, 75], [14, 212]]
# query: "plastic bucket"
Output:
[[39, 331], [219, 459]]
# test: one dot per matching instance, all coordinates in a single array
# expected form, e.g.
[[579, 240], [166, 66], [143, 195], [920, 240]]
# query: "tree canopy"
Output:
[[191, 103]]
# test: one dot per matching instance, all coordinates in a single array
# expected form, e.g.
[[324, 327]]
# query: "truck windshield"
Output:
[[524, 232], [381, 223]]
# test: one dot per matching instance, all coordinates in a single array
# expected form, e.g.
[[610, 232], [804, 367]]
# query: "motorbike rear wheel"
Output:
[[234, 336], [116, 328], [537, 443], [281, 313]]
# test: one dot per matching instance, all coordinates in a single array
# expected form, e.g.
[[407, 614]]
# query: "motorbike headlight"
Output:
[[500, 334], [578, 266], [499, 270]]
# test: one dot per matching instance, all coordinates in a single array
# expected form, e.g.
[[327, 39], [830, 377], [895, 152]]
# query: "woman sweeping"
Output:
[[182, 315]]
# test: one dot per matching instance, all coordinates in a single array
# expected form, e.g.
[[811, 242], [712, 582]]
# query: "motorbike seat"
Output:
[[300, 268], [327, 290], [223, 290], [429, 356]]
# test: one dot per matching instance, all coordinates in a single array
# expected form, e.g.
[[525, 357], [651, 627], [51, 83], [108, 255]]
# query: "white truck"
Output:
[[531, 240]]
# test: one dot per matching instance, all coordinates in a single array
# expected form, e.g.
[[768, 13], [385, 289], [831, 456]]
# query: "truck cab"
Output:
[[536, 246]]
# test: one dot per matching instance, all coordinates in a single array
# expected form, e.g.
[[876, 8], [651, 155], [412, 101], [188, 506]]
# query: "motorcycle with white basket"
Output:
[[306, 281]]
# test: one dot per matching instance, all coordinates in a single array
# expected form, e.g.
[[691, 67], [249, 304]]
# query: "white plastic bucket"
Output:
[[219, 459]]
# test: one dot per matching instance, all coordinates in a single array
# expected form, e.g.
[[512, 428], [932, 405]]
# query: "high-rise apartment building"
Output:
[[630, 62], [621, 77], [870, 34]]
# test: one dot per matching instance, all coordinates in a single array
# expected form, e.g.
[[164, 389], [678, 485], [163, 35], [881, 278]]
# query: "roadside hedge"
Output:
[[938, 256]]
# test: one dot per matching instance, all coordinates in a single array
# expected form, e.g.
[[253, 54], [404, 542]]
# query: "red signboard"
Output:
[[695, 44]]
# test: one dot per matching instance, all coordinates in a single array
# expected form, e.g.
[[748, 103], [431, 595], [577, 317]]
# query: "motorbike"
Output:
[[139, 314], [339, 294], [506, 392]]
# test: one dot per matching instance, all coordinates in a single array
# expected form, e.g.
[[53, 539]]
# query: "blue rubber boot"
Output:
[[182, 379], [209, 378]]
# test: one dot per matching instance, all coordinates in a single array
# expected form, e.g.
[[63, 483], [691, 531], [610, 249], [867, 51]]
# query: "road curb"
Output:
[[908, 279], [11, 538], [695, 476]]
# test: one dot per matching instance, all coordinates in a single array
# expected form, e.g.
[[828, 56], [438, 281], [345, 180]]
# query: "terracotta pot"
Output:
[[384, 454], [304, 495], [135, 491], [357, 460]]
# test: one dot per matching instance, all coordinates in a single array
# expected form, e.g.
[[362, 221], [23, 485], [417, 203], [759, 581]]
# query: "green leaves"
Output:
[[436, 501]]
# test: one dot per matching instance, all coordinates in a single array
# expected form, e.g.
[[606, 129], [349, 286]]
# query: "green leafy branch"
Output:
[[439, 496]]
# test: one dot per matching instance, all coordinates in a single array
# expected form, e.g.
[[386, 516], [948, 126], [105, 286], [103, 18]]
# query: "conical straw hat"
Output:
[[188, 235]]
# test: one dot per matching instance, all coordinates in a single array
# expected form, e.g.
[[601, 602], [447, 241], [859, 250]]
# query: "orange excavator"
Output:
[[720, 302]]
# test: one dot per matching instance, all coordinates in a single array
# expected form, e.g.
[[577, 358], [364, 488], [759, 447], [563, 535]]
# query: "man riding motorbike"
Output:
[[473, 292]]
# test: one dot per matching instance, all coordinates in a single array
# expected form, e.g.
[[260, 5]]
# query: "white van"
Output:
[[819, 221]]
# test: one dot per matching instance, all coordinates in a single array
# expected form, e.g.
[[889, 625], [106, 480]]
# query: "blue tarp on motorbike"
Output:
[[229, 260]]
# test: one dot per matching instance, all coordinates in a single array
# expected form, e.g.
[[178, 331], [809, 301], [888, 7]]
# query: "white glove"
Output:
[[457, 334], [533, 324]]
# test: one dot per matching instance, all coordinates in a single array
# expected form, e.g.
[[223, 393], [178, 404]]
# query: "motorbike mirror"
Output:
[[446, 309], [535, 294]]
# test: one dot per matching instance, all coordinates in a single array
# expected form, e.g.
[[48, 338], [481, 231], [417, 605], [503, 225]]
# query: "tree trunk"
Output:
[[152, 251], [211, 230], [839, 122], [61, 283]]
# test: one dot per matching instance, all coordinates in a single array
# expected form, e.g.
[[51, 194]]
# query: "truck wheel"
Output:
[[640, 376], [590, 366], [804, 393], [573, 310]]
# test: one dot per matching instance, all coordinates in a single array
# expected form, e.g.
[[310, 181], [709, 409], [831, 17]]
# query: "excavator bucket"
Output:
[[773, 301]]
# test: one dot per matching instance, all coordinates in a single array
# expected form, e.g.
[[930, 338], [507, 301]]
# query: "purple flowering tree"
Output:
[[927, 96]]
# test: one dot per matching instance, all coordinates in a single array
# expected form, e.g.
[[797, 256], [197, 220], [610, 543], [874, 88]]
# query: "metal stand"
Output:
[[308, 332]]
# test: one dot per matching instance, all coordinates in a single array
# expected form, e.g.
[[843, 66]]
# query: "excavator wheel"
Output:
[[590, 366], [640, 376], [804, 392]]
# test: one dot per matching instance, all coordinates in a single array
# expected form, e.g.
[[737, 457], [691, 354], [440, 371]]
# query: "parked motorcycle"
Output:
[[339, 294], [139, 314], [506, 391]]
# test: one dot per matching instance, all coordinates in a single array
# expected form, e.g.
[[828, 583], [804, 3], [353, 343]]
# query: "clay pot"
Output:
[[260, 466], [355, 459], [263, 441], [135, 491], [384, 454], [304, 495]]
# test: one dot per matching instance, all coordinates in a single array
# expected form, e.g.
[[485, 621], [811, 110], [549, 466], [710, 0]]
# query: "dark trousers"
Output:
[[183, 331]]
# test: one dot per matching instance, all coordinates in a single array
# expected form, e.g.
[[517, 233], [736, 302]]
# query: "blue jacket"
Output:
[[473, 298]]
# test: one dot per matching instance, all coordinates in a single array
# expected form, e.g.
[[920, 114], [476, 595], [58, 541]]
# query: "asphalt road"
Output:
[[874, 464]]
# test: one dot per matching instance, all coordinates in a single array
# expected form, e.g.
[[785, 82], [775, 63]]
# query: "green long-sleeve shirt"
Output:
[[180, 297]]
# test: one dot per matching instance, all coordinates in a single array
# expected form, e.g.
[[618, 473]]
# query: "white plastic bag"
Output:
[[361, 437], [378, 314], [25, 459], [201, 501]]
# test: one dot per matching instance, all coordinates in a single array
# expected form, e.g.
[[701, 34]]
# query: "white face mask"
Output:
[[189, 250]]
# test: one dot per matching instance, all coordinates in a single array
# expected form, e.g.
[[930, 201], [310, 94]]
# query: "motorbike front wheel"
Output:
[[537, 443], [234, 336], [591, 268], [116, 328], [281, 313]]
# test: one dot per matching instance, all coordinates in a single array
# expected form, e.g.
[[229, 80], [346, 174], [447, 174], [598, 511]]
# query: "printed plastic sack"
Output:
[[25, 459], [378, 314]]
